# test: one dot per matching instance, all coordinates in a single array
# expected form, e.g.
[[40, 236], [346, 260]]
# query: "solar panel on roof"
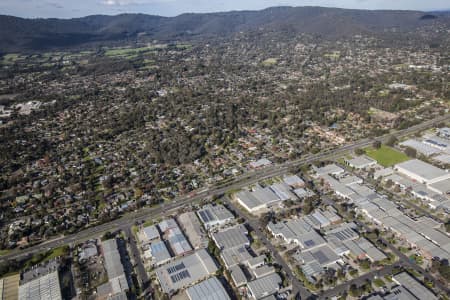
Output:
[[320, 256], [210, 216], [203, 215], [309, 243], [180, 276]]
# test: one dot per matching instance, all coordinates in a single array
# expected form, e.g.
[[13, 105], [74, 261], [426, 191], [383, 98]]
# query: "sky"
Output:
[[80, 8]]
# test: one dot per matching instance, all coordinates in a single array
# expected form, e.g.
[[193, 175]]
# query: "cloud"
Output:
[[132, 2]]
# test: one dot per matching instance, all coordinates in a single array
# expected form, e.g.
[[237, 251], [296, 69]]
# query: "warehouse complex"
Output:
[[185, 271], [44, 287]]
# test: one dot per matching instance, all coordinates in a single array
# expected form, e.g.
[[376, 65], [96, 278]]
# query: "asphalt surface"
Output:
[[129, 219], [139, 266], [340, 289]]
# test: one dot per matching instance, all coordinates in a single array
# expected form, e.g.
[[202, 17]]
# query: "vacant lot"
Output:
[[386, 156]]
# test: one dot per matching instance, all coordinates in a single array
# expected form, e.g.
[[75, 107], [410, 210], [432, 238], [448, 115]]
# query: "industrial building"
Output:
[[210, 289], [361, 162], [233, 237], [177, 241], [418, 233], [158, 253], [213, 216], [294, 181], [185, 271], [422, 171], [262, 198], [235, 256], [193, 230], [117, 283], [331, 169], [9, 287], [237, 276], [265, 286], [444, 132], [149, 234], [415, 288], [44, 287], [420, 147], [172, 233]]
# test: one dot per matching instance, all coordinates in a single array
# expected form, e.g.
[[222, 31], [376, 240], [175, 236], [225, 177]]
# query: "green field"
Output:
[[269, 62], [386, 156], [132, 52], [46, 256], [10, 58]]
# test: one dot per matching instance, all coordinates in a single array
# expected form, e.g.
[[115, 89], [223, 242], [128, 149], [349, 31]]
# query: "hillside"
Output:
[[18, 34]]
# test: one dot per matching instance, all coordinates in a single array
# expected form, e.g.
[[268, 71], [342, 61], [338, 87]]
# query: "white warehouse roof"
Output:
[[210, 289], [422, 171]]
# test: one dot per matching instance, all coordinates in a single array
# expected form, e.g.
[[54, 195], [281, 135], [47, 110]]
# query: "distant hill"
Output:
[[18, 34]]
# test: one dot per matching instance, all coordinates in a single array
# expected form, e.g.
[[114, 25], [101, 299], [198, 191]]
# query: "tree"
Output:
[[376, 144], [389, 183], [447, 226], [359, 151], [392, 140], [411, 152]]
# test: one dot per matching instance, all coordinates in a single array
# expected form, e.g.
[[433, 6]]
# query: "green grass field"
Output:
[[269, 62], [386, 156]]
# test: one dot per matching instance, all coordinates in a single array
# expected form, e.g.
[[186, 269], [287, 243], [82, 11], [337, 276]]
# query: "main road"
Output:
[[239, 182]]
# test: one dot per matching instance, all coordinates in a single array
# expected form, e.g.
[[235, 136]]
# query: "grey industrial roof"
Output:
[[303, 193], [113, 266], [118, 296], [311, 269], [234, 256], [231, 237], [293, 180], [113, 263], [265, 195], [283, 191], [324, 255], [421, 169], [45, 287], [185, 271], [237, 275], [337, 186], [343, 232], [348, 180], [443, 158], [265, 286], [178, 242], [263, 271], [255, 261], [442, 186], [210, 214], [420, 147], [361, 161], [151, 232], [248, 199], [399, 293], [194, 232], [210, 289], [414, 286], [329, 169], [167, 224], [159, 252], [310, 240]]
